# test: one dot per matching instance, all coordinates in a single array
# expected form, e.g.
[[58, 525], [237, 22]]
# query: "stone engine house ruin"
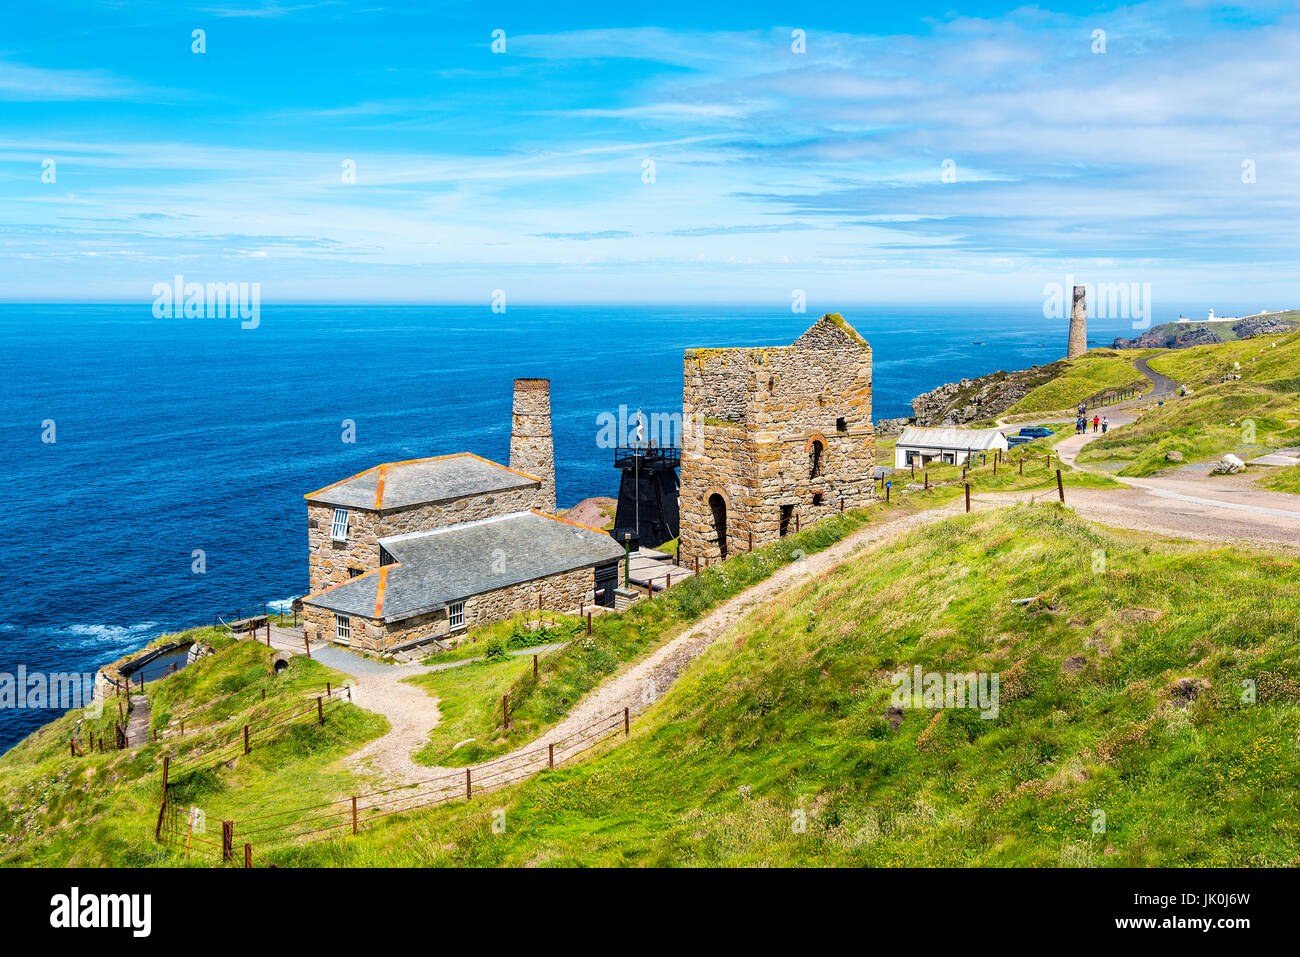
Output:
[[412, 552], [775, 438]]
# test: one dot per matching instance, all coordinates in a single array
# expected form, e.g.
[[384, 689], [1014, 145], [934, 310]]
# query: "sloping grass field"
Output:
[[1134, 727]]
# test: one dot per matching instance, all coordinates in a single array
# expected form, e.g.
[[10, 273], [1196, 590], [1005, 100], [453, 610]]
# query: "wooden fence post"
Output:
[[167, 768], [550, 756], [627, 723], [1022, 465], [588, 622], [968, 496], [248, 855], [246, 747], [320, 710], [329, 690], [305, 641], [72, 747], [927, 480], [1060, 486], [751, 541], [888, 486], [354, 815], [469, 788], [227, 839]]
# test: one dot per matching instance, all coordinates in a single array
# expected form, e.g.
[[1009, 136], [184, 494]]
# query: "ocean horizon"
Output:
[[176, 435]]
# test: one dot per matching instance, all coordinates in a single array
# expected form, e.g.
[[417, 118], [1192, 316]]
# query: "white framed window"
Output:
[[340, 530], [456, 615], [342, 627]]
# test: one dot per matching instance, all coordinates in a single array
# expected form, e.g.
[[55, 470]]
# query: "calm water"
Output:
[[181, 434]]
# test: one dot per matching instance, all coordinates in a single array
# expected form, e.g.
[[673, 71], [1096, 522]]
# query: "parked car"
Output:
[[1036, 432], [1014, 440]]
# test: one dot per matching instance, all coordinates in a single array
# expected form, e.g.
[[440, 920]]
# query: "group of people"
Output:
[[1099, 422]]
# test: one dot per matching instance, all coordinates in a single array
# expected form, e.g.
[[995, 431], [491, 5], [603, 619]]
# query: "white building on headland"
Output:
[[1213, 318], [918, 446]]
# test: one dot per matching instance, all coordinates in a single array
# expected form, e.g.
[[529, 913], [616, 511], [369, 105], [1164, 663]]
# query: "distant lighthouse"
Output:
[[1078, 344]]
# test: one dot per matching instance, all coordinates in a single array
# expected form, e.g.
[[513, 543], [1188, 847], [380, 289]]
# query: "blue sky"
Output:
[[773, 170]]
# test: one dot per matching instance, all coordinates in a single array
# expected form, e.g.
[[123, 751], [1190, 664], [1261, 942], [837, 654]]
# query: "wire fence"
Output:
[[258, 731], [186, 832]]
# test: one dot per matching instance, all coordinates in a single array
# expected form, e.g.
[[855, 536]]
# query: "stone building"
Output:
[[407, 552], [780, 437]]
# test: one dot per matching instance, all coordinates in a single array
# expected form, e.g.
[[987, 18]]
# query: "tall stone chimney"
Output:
[[531, 447], [1078, 324]]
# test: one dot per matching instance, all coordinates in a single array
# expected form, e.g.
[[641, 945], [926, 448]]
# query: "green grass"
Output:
[[1239, 417], [100, 810], [1256, 358], [773, 749], [1084, 376], [1281, 479]]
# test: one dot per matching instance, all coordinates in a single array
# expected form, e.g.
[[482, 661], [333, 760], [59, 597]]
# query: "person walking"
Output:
[[1105, 424], [1096, 422]]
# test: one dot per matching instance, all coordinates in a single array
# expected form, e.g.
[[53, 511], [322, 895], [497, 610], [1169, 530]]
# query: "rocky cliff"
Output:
[[986, 397], [1181, 335]]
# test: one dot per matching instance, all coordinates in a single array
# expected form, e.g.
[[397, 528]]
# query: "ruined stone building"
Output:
[[777, 438], [408, 552]]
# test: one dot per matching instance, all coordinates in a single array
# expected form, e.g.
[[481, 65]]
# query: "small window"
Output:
[[342, 627], [817, 499], [355, 572], [340, 530], [787, 513], [841, 425], [385, 557], [815, 468], [456, 615]]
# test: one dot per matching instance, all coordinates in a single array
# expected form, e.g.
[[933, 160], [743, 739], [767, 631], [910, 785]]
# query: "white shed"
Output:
[[918, 446]]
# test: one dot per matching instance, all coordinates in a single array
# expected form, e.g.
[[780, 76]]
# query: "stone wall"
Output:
[[758, 456], [328, 561], [566, 592], [532, 448]]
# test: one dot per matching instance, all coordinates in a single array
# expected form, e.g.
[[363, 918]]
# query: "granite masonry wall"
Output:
[[532, 448], [800, 442], [328, 561], [566, 592]]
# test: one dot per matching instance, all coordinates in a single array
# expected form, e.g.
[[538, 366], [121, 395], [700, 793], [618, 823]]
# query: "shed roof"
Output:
[[448, 564], [417, 481], [951, 439]]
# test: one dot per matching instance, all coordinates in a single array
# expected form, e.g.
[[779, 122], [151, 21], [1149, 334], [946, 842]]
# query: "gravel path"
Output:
[[636, 687]]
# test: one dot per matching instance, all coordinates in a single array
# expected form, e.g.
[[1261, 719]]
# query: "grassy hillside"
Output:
[[1257, 359], [1084, 376], [100, 809], [1117, 695], [1260, 410]]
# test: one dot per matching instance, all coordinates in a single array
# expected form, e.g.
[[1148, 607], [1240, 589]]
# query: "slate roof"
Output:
[[415, 482], [959, 440], [448, 564]]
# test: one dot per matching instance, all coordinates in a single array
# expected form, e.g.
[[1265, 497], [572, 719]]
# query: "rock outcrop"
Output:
[[1181, 335], [986, 397]]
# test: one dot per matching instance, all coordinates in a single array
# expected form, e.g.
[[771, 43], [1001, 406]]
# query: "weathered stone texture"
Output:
[[564, 593], [532, 448], [329, 561], [1078, 343], [763, 411]]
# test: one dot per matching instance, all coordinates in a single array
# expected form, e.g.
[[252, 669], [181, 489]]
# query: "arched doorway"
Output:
[[718, 506]]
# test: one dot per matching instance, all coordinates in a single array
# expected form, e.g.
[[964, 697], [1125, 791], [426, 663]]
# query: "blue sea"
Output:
[[172, 435]]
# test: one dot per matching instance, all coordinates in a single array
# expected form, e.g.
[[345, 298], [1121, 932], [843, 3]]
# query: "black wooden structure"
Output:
[[647, 495]]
